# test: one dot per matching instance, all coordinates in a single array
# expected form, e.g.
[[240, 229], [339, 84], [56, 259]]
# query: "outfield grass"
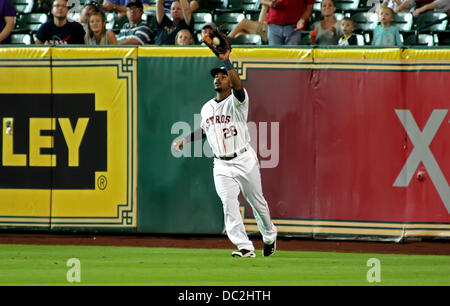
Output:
[[46, 265]]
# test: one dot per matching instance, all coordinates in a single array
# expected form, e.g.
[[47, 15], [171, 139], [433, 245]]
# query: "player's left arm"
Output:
[[236, 82]]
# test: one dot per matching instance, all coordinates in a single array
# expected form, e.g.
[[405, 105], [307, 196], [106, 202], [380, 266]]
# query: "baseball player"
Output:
[[236, 167]]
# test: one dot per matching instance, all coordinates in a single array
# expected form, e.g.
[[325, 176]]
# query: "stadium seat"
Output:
[[365, 21], [74, 16], [212, 5], [200, 18], [21, 39], [317, 5], [23, 6], [246, 6], [110, 20], [419, 40], [248, 39], [403, 21], [367, 5], [360, 39], [367, 38], [444, 38], [253, 16], [346, 5], [343, 6], [431, 22], [227, 21], [30, 22], [305, 41]]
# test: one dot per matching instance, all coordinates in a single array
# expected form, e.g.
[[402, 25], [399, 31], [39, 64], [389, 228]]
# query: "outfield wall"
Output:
[[69, 158], [352, 142]]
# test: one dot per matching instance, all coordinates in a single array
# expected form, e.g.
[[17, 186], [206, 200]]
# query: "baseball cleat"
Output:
[[243, 253], [269, 249]]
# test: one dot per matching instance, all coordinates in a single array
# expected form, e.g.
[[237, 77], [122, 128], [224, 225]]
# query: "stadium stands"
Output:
[[228, 20], [23, 6], [248, 39], [21, 39], [200, 19], [29, 23], [429, 29]]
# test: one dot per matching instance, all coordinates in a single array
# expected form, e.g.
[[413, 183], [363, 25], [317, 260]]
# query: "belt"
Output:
[[231, 156]]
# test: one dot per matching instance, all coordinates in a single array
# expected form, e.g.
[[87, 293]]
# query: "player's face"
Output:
[[221, 82]]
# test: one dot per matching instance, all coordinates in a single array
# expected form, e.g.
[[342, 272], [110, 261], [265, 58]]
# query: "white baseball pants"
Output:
[[241, 174]]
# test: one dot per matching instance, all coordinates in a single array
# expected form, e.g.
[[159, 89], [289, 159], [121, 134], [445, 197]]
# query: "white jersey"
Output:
[[225, 124]]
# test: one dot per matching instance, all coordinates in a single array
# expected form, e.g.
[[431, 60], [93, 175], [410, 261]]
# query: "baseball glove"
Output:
[[217, 42]]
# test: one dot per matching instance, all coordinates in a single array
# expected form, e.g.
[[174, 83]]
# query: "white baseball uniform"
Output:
[[225, 126]]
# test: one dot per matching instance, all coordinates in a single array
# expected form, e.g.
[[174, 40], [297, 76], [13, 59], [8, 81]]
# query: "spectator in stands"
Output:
[[286, 19], [119, 7], [385, 34], [135, 32], [7, 21], [181, 19], [438, 5], [247, 26], [184, 38], [208, 28], [194, 4], [58, 30], [97, 33], [394, 4], [328, 30], [409, 5], [89, 7], [347, 28]]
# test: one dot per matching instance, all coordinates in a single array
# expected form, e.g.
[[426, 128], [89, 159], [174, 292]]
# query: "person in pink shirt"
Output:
[[286, 19]]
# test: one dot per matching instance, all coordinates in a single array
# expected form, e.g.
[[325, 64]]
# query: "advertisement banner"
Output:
[[362, 142], [71, 153], [25, 84]]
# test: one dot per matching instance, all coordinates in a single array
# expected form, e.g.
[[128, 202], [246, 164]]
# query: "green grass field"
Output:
[[47, 265]]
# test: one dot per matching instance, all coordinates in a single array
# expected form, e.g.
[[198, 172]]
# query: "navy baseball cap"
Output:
[[215, 71], [136, 3]]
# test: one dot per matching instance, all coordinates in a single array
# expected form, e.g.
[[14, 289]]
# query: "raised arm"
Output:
[[263, 13], [187, 13], [236, 82], [160, 11]]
